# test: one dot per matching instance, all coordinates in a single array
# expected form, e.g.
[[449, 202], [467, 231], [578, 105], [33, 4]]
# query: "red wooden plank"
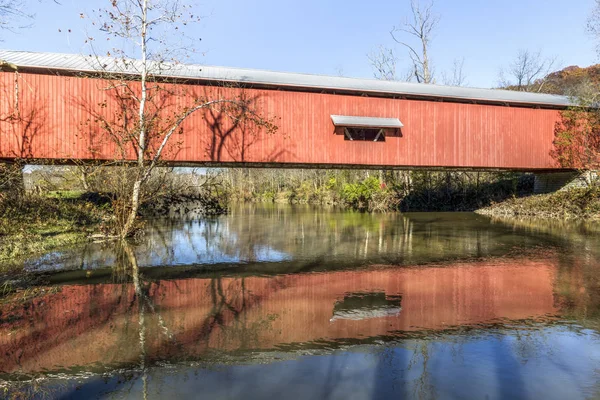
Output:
[[438, 134]]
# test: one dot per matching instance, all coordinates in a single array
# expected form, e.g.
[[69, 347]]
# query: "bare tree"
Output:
[[339, 71], [456, 77], [11, 11], [593, 24], [151, 112], [528, 72], [415, 34], [383, 61], [420, 28]]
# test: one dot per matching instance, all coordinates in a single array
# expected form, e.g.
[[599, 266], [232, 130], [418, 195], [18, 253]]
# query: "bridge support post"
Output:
[[549, 182]]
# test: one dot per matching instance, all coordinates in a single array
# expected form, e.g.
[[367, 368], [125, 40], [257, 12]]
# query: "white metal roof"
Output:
[[90, 64], [366, 122]]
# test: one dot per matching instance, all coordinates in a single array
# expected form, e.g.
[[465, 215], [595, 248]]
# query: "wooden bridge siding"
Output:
[[435, 134]]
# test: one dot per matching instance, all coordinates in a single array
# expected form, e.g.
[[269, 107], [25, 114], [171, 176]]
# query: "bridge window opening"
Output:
[[366, 129], [364, 134], [360, 306]]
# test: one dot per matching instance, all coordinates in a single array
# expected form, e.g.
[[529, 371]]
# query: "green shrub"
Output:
[[369, 194]]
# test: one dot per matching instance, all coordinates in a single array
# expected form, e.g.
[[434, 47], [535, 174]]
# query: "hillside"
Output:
[[569, 81]]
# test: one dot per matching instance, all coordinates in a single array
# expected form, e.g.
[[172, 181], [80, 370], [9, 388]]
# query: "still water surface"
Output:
[[307, 303]]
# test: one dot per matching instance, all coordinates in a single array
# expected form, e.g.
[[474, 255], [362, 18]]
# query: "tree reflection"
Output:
[[228, 299], [423, 388], [141, 288], [303, 239]]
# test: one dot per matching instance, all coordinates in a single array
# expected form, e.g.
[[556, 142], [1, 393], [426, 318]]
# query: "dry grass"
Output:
[[571, 204], [36, 224]]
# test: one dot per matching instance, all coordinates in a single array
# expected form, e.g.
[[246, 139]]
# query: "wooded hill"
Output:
[[569, 81]]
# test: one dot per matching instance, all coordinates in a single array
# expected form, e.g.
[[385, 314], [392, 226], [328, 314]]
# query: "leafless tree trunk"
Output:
[[141, 148], [421, 26]]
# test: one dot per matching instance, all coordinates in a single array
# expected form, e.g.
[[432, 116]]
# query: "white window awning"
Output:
[[366, 122]]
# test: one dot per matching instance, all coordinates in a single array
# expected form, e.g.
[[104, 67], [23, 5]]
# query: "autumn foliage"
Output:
[[577, 139], [570, 81], [577, 134]]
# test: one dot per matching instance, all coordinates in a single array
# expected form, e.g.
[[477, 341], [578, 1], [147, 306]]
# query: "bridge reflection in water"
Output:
[[94, 327], [295, 302]]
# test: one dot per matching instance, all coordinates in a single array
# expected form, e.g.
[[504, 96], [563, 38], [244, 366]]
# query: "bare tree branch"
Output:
[[383, 61], [593, 25], [527, 72], [421, 28], [176, 126], [150, 108], [456, 77], [13, 13]]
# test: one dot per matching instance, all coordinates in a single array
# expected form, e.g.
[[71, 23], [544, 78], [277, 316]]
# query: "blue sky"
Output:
[[328, 36]]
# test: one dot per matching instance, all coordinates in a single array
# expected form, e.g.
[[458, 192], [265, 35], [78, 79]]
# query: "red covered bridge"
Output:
[[322, 121]]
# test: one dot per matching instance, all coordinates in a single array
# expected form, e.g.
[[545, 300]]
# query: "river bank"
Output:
[[569, 204], [39, 224], [36, 224], [493, 194], [380, 191]]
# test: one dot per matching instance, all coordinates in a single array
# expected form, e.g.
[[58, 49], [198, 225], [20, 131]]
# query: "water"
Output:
[[301, 302]]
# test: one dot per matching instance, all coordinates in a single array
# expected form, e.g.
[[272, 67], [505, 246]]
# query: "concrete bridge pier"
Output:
[[548, 182]]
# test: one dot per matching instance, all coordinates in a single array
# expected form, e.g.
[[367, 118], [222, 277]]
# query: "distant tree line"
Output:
[[376, 190]]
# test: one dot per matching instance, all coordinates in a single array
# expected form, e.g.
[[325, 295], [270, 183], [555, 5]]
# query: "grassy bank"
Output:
[[35, 224], [571, 204], [38, 223], [374, 191]]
